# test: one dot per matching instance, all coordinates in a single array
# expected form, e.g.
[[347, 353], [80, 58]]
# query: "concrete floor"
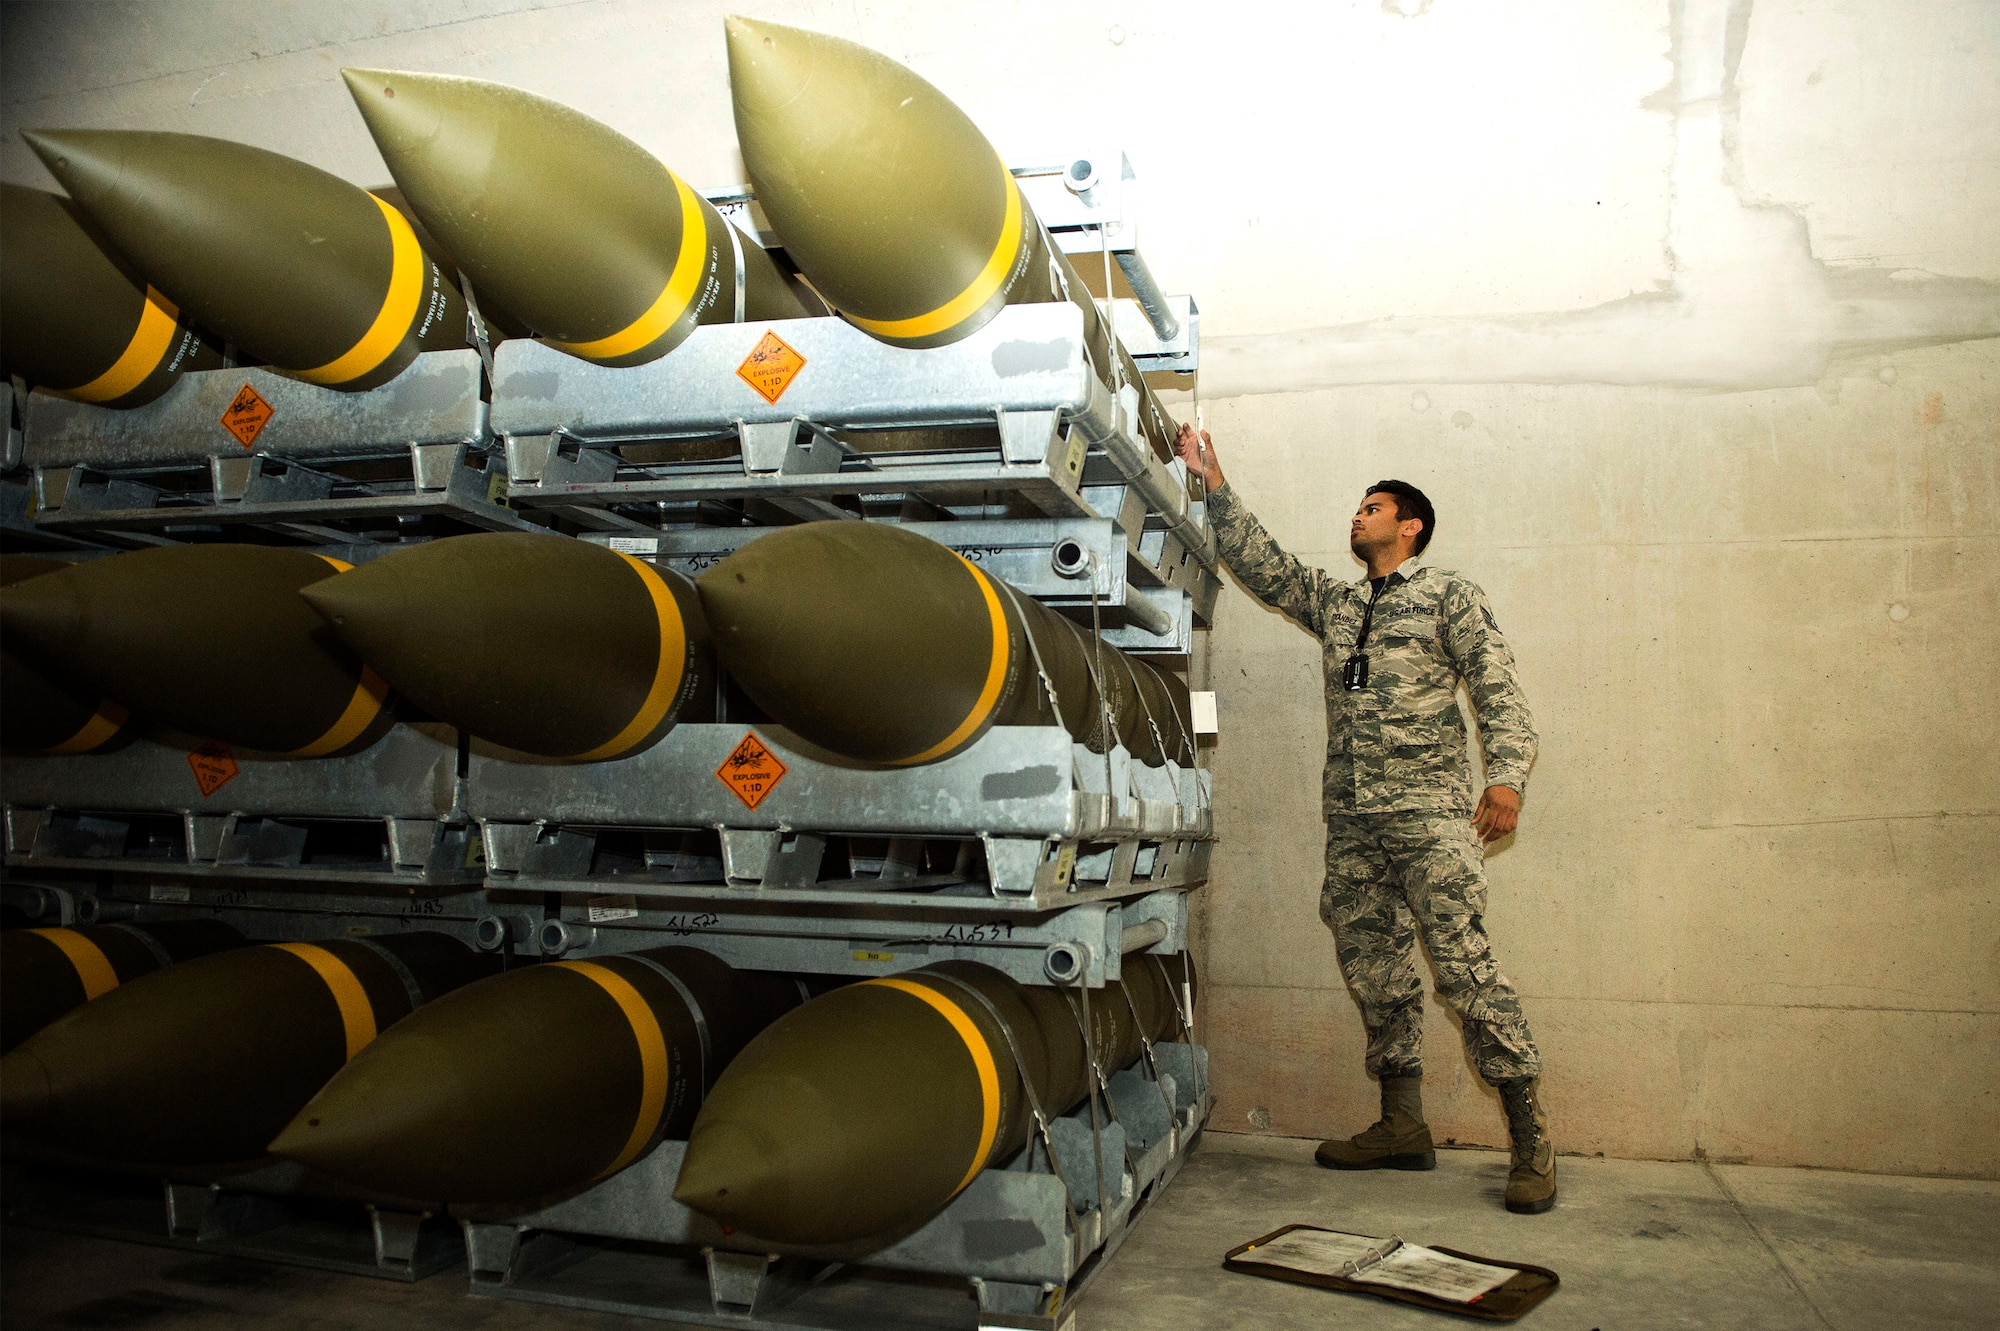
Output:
[[1638, 1245]]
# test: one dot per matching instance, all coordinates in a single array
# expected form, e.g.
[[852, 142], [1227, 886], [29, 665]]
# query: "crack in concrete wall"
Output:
[[1749, 306]]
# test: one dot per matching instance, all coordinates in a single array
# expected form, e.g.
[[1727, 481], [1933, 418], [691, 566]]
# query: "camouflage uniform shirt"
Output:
[[1399, 744]]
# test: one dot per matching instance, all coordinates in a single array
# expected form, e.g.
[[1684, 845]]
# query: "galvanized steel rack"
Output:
[[275, 1214], [1011, 1251], [1026, 851], [1035, 423], [318, 466], [391, 812], [1081, 945], [1056, 822]]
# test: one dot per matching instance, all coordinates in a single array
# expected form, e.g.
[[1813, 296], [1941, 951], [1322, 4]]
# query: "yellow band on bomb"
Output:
[[996, 677], [151, 341], [971, 300], [407, 267], [357, 1014], [982, 1062], [653, 1065], [674, 298]]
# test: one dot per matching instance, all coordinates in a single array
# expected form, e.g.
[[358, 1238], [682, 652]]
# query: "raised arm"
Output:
[[1277, 579], [1486, 663]]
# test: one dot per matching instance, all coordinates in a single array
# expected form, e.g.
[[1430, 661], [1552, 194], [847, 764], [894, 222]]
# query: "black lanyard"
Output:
[[1354, 671]]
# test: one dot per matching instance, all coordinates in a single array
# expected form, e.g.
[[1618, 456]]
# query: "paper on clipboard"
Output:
[[1359, 1258]]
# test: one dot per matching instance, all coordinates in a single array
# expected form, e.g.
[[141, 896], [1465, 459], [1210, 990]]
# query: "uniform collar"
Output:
[[1402, 573]]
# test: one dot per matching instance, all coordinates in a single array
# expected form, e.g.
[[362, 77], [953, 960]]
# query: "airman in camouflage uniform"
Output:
[[1405, 847]]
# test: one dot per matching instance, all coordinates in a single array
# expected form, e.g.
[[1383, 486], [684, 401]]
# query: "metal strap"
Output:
[[1098, 1090], [1034, 650], [1028, 1091], [736, 246], [1186, 1016], [150, 943], [1146, 1044], [482, 338], [695, 1014], [403, 972]]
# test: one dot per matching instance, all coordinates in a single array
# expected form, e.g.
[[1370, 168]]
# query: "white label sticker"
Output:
[[604, 910], [1201, 706], [636, 545], [164, 892]]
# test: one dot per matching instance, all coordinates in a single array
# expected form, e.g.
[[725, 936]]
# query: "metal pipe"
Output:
[[1147, 291], [1142, 935], [1147, 615]]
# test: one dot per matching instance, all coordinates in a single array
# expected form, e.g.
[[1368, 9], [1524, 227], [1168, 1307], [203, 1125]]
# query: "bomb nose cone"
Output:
[[802, 618], [621, 274], [210, 639], [551, 646], [337, 604], [395, 104], [889, 198], [294, 264], [738, 1175], [389, 1121], [83, 160], [25, 1094]]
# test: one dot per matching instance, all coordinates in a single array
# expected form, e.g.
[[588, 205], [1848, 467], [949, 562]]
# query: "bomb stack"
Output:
[[774, 816]]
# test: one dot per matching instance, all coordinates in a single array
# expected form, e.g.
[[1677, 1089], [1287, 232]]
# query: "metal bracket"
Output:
[[557, 460], [396, 1236], [540, 850], [80, 489], [1028, 436], [771, 859], [735, 1280]]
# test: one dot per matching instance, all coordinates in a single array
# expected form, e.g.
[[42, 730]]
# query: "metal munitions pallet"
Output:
[[281, 912], [1058, 824], [174, 463], [1025, 379], [1079, 945], [277, 1213], [390, 812], [1021, 1241], [1096, 569]]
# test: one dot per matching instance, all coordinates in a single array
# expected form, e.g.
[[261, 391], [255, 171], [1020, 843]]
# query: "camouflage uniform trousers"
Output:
[[1390, 879]]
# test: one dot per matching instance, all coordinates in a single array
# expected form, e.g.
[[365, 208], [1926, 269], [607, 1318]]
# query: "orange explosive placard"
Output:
[[770, 367], [214, 766], [751, 770], [247, 415]]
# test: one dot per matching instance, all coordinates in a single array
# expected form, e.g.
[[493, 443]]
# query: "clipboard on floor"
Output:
[[1442, 1279]]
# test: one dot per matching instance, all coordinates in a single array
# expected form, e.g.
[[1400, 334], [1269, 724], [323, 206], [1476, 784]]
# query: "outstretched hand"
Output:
[[1199, 454], [1499, 813]]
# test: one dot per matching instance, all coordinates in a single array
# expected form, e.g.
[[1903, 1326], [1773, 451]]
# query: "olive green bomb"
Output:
[[294, 265], [569, 225], [203, 1063], [552, 646], [888, 197], [47, 972], [72, 322], [211, 640], [803, 616], [893, 204], [41, 711], [538, 1081], [860, 1115]]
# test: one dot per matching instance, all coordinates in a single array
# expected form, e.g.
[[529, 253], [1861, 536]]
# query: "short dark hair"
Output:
[[1410, 503]]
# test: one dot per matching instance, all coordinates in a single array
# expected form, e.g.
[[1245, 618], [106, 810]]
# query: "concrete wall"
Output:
[[1751, 906], [1678, 308]]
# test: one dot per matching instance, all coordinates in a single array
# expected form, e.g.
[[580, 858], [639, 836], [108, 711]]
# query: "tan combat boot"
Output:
[[1399, 1140], [1531, 1184]]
